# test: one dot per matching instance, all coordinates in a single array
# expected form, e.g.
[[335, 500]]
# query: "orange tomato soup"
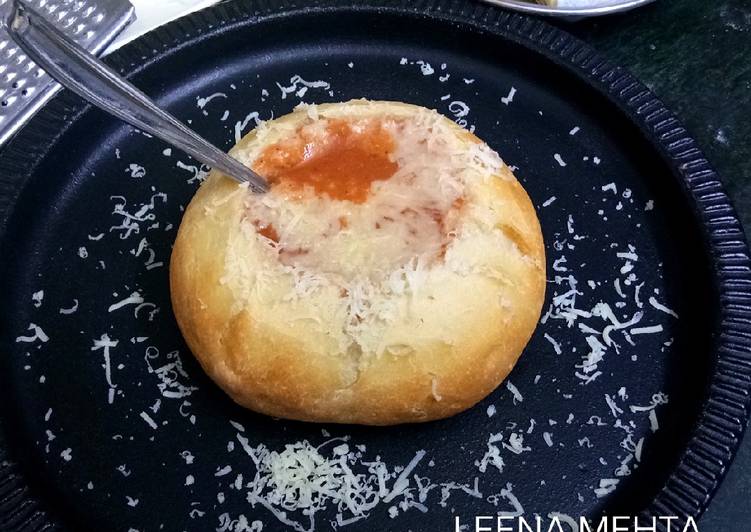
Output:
[[341, 163]]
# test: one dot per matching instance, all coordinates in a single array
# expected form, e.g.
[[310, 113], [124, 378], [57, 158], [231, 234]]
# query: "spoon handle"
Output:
[[76, 69]]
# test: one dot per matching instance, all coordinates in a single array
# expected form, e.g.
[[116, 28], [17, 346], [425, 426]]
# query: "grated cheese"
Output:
[[661, 307], [199, 173], [201, 103], [425, 68], [38, 335], [302, 480], [509, 97], [299, 87], [401, 255], [556, 345], [149, 420], [133, 299], [652, 329], [241, 125], [37, 298], [516, 395], [135, 170], [607, 485], [105, 344], [277, 485]]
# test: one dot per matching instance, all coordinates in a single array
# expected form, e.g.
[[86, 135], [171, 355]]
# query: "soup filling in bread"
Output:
[[358, 198]]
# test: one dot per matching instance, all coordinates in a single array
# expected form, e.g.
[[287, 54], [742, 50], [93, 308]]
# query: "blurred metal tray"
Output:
[[24, 87], [571, 10]]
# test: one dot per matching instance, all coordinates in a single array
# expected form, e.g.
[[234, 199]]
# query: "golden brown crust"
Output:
[[462, 342]]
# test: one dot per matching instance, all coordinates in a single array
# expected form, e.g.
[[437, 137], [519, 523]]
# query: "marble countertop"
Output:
[[696, 56]]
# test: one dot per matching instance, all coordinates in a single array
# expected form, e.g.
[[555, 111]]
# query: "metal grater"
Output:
[[24, 87]]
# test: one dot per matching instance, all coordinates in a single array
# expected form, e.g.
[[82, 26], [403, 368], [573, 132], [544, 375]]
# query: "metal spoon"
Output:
[[76, 69]]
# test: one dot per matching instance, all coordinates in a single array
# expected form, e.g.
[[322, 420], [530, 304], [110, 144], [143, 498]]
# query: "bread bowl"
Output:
[[393, 273]]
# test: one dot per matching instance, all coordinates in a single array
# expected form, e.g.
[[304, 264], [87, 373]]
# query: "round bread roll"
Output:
[[393, 273]]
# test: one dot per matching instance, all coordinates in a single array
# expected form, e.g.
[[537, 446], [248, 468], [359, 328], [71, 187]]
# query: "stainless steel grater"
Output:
[[24, 87]]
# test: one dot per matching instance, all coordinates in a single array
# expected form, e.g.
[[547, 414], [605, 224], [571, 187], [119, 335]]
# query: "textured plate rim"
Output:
[[721, 423]]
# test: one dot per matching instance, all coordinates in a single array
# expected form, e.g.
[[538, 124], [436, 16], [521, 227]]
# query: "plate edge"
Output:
[[721, 424]]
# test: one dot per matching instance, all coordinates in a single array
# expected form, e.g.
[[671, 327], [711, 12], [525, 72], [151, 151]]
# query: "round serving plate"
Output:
[[630, 399], [602, 7]]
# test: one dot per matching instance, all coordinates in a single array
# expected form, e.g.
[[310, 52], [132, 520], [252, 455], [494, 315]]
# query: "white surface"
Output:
[[151, 14]]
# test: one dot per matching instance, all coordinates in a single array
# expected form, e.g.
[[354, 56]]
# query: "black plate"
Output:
[[87, 225]]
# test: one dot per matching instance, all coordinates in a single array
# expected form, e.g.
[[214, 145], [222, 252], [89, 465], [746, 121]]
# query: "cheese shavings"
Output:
[[104, 343], [302, 480], [241, 125], [149, 420], [131, 222], [661, 307], [136, 170], [516, 394], [509, 97], [604, 328], [38, 335], [199, 173], [70, 310], [554, 343], [299, 87], [239, 524], [133, 299], [607, 485], [37, 298], [548, 202], [202, 102], [406, 235], [173, 379]]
